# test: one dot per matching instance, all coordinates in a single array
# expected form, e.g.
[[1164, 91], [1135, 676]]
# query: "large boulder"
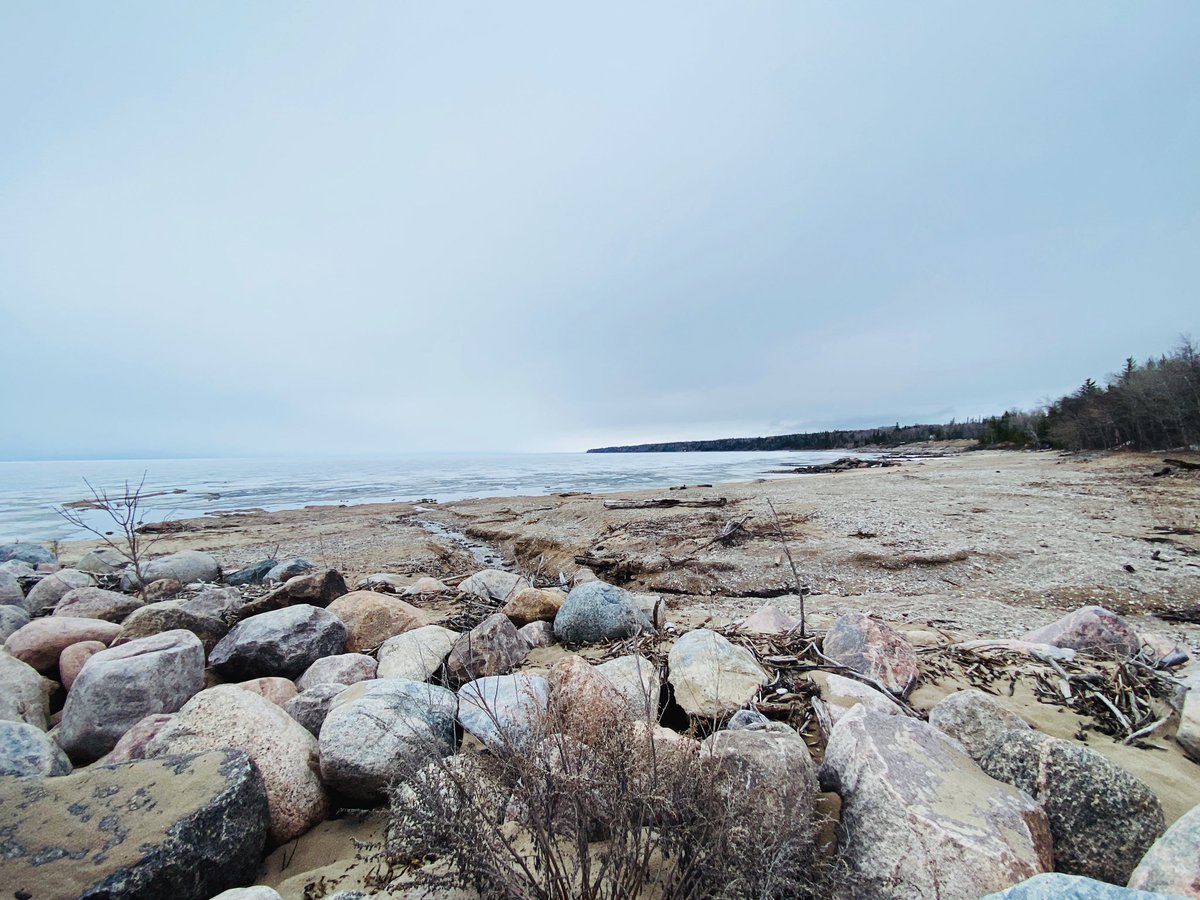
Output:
[[1102, 819], [768, 769], [710, 676], [282, 749], [12, 618], [283, 642], [102, 561], [25, 750], [11, 593], [310, 707], [492, 647], [417, 654], [96, 603], [33, 554], [51, 589], [288, 569], [41, 641], [638, 681], [595, 612], [1187, 734], [186, 567], [843, 694], [344, 668], [534, 605], [1172, 864], [975, 720], [1059, 886], [869, 647], [583, 702], [24, 694], [378, 730], [1091, 628], [920, 818], [120, 686], [493, 585], [318, 589], [505, 712], [132, 744], [185, 828], [171, 615], [372, 618]]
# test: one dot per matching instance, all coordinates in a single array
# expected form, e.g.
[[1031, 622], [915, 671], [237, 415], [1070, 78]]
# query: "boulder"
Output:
[[32, 554], [120, 686], [171, 615], [768, 619], [47, 592], [251, 575], [102, 561], [1102, 819], [1187, 734], [344, 668], [372, 618], [12, 618], [385, 582], [25, 750], [11, 593], [378, 730], [71, 660], [595, 612], [638, 681], [282, 749], [284, 642], [1057, 886], [163, 589], [583, 702], [310, 707], [869, 647], [24, 694], [260, 892], [318, 589], [534, 605], [287, 570], [747, 719], [710, 676], [216, 602], [1163, 652], [537, 634], [279, 691], [417, 654], [504, 711], [132, 744], [19, 570], [492, 647], [920, 818], [493, 585], [185, 828], [42, 641], [975, 720], [186, 567], [96, 603], [1092, 628], [1172, 864], [768, 769], [843, 694], [426, 585]]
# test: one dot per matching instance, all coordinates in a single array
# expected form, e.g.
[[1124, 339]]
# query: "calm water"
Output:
[[30, 491]]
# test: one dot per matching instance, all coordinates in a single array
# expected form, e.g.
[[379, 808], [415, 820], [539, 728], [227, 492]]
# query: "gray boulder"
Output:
[[215, 602], [417, 654], [310, 707], [504, 711], [254, 574], [33, 554], [747, 720], [1102, 819], [1057, 886], [120, 686], [283, 642], [96, 603], [869, 647], [710, 676], [492, 647], [975, 720], [25, 750], [171, 615], [344, 668], [47, 592], [769, 768], [1172, 864], [103, 561], [11, 619], [595, 612], [1091, 628], [537, 634], [288, 569], [186, 567], [11, 593], [185, 828], [493, 585], [24, 694], [638, 681]]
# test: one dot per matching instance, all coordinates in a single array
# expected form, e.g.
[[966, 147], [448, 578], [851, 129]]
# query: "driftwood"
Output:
[[845, 464], [664, 503], [1182, 463]]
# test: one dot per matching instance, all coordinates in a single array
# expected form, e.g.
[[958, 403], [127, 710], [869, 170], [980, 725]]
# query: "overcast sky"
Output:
[[283, 227]]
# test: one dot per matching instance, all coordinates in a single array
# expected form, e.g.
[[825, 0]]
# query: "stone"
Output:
[[26, 750], [101, 561], [279, 691], [426, 585], [282, 749], [257, 892], [638, 681], [1057, 886], [163, 589], [843, 694], [417, 654], [493, 585], [132, 744], [583, 702], [344, 668], [284, 642], [372, 618], [19, 570], [12, 618], [41, 641], [120, 686], [505, 712], [768, 769], [186, 567], [287, 570], [1163, 652], [170, 615], [1102, 819], [47, 592], [185, 828], [310, 707], [537, 634], [768, 619], [1172, 864], [378, 730], [710, 676], [534, 605], [747, 719], [1091, 628], [251, 575], [975, 720], [1187, 734], [385, 581], [33, 554], [595, 612], [492, 647], [869, 647], [215, 602], [920, 818], [96, 603], [24, 694], [71, 660], [318, 589], [11, 593]]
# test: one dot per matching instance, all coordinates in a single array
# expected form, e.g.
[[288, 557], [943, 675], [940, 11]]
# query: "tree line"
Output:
[[843, 439]]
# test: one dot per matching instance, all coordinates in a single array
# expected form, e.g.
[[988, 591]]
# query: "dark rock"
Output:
[[492, 647], [595, 612], [251, 574], [34, 554], [156, 618], [319, 589], [25, 750], [284, 643], [747, 720], [871, 648], [310, 707]]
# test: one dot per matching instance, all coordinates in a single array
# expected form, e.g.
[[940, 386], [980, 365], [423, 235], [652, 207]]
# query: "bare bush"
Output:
[[125, 510]]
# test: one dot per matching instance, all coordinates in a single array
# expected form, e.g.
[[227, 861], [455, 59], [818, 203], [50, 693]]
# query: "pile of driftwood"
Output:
[[845, 464]]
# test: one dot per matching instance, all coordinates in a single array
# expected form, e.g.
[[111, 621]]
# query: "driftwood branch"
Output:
[[664, 503], [1182, 463]]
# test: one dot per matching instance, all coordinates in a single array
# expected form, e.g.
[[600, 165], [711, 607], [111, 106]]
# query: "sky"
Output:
[[264, 228]]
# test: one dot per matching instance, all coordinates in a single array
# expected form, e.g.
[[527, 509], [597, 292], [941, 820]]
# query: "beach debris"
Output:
[[666, 503], [845, 464]]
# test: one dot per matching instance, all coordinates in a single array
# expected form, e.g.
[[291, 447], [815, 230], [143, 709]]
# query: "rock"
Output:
[[843, 694], [287, 570], [389, 583], [33, 554], [310, 707], [254, 574], [11, 593], [638, 681], [1172, 864], [493, 585], [975, 720], [768, 619], [96, 603], [537, 634], [869, 647], [1102, 819], [417, 654], [345, 668], [41, 641], [505, 712], [17, 569], [122, 685], [282, 749], [12, 618], [132, 744], [169, 615], [185, 828], [24, 694], [186, 567], [284, 642], [372, 618], [534, 605], [583, 702], [768, 769], [595, 611], [258, 892], [71, 660], [101, 561], [583, 575], [1091, 628], [318, 589], [747, 719], [215, 602], [26, 750], [492, 647], [1187, 734], [378, 730], [426, 585], [163, 589], [919, 816], [1163, 652], [279, 691], [710, 676], [47, 592], [1057, 886]]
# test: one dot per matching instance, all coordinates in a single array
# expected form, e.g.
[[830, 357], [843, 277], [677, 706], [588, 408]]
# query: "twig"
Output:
[[801, 591]]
